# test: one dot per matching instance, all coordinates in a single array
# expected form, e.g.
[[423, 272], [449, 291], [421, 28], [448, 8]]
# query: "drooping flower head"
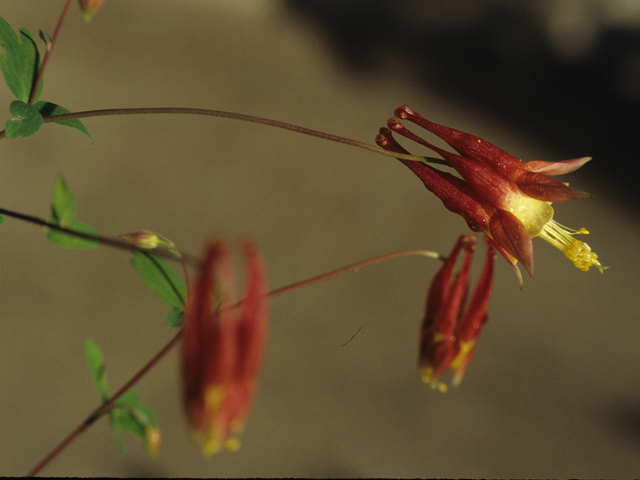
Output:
[[223, 346], [449, 332], [498, 194]]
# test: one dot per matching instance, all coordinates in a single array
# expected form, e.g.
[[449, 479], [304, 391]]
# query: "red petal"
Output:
[[542, 187], [456, 195], [510, 259], [209, 343], [253, 319], [466, 144], [438, 347], [476, 313], [485, 180], [509, 232], [556, 168]]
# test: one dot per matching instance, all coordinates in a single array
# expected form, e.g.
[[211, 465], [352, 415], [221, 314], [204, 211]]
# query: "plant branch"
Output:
[[50, 46], [241, 117], [104, 408], [103, 240]]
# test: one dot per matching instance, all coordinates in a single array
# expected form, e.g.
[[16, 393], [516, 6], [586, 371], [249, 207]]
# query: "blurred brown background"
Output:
[[554, 388]]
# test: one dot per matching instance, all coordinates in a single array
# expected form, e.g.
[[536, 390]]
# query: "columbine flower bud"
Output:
[[142, 239], [90, 8], [499, 195], [223, 346], [449, 333]]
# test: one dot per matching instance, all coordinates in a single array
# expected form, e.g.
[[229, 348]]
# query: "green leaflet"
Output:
[[127, 413], [63, 211], [48, 109], [130, 415], [67, 240], [160, 278], [26, 120], [19, 61], [95, 361], [20, 64], [174, 319]]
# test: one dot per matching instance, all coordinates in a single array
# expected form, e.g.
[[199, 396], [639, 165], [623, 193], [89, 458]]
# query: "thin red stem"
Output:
[[104, 408], [50, 46], [237, 116]]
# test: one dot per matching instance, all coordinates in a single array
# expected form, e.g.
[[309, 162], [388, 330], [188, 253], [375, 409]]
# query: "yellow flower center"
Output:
[[537, 217], [578, 252], [534, 214]]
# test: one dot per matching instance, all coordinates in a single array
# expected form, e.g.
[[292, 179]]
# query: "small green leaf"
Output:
[[63, 205], [174, 319], [95, 360], [127, 413], [46, 38], [63, 210], [132, 416], [1, 219], [68, 240], [26, 120], [115, 427], [160, 278], [19, 61], [48, 109]]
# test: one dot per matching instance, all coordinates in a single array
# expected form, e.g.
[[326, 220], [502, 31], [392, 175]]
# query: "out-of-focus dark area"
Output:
[[566, 72]]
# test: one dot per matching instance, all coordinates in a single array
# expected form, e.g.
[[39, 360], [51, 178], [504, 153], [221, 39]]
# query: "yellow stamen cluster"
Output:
[[578, 252]]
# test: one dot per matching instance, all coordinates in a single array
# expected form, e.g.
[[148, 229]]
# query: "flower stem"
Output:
[[104, 408], [50, 46], [108, 241], [241, 117]]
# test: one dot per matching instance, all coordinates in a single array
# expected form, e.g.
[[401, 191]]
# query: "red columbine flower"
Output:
[[498, 194], [223, 346], [449, 334]]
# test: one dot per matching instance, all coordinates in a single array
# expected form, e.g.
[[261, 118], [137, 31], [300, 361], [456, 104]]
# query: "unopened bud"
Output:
[[90, 8], [142, 239]]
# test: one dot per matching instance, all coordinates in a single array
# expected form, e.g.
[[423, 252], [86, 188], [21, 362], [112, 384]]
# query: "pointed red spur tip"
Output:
[[556, 168], [385, 140], [509, 233], [404, 112]]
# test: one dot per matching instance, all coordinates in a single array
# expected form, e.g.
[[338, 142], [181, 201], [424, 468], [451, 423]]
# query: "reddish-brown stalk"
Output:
[[104, 408], [50, 46]]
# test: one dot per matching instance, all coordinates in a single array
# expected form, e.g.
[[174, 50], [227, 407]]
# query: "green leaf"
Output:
[[130, 415], [160, 278], [63, 211], [68, 240], [174, 319], [26, 120], [19, 61], [46, 38], [48, 109], [1, 219], [95, 361], [63, 205], [127, 412], [115, 427]]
